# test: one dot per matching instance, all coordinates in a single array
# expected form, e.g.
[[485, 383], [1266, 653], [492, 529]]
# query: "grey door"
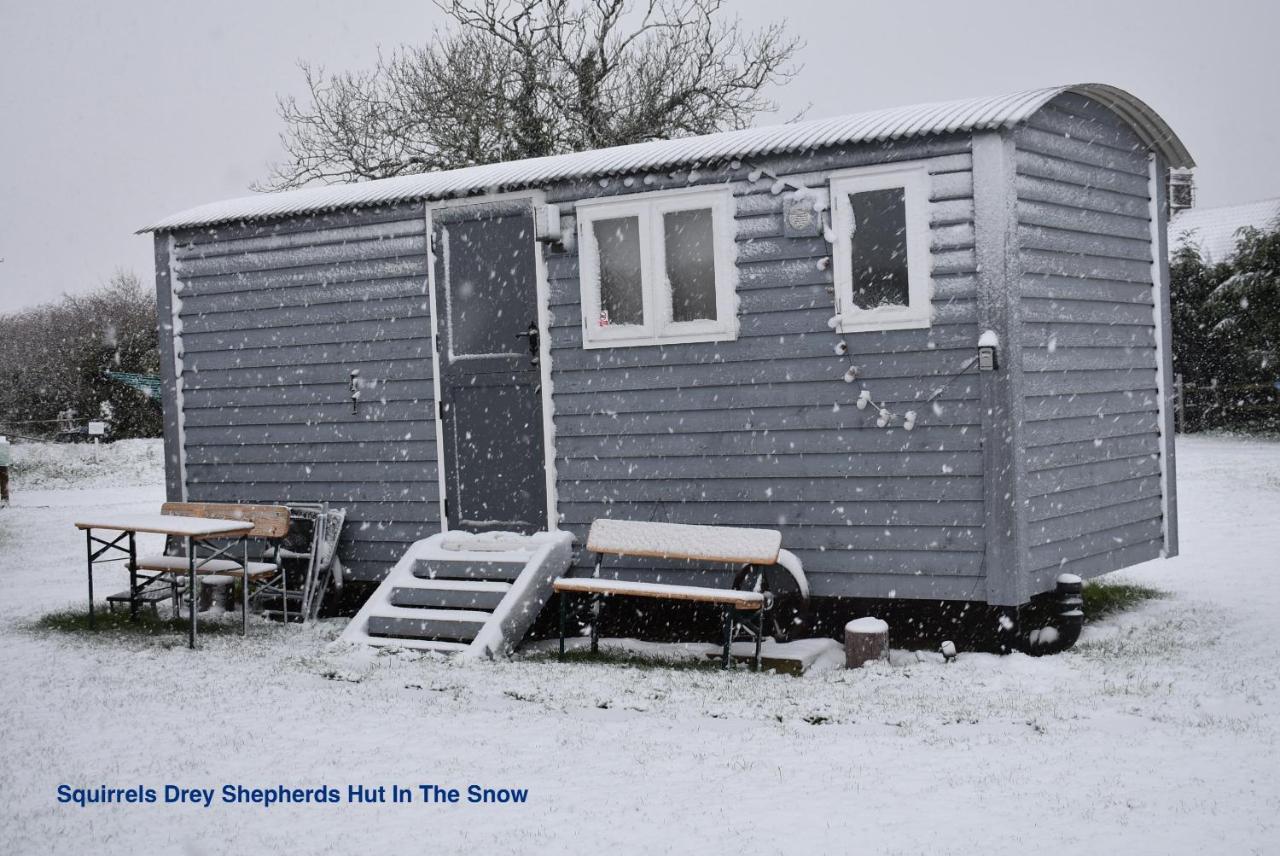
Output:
[[490, 382]]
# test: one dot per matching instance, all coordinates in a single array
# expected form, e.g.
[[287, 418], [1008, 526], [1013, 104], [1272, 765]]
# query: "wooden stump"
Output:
[[865, 640]]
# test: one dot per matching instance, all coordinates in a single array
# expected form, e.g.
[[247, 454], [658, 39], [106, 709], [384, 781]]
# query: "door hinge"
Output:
[[447, 515], [440, 410]]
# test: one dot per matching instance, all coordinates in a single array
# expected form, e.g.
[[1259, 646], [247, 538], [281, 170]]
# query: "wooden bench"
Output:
[[270, 523], [718, 544]]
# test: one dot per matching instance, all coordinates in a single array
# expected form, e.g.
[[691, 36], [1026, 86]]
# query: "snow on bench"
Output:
[[727, 544], [728, 597]]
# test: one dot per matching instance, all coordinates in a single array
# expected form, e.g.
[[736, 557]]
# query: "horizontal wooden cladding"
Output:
[[1067, 170], [1096, 427], [301, 223], [338, 472], [853, 486], [1089, 380], [867, 439], [1082, 121], [1091, 451], [307, 434], [733, 397], [232, 415], [1075, 359], [1079, 311], [1045, 482], [337, 235], [730, 420], [898, 381], [1086, 199], [249, 487], [388, 309], [330, 370], [1057, 215], [374, 330], [272, 260], [1077, 334], [863, 465], [1084, 267], [1042, 407], [266, 296], [370, 272], [1092, 498], [1067, 146], [1056, 553], [1051, 287], [318, 391], [293, 361], [1062, 240], [782, 514], [411, 452], [1114, 515], [1045, 579]]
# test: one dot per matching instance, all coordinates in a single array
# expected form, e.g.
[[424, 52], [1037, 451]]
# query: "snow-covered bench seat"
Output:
[[718, 544]]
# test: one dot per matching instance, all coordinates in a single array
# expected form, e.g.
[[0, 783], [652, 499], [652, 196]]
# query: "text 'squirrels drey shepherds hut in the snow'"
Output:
[[929, 345]]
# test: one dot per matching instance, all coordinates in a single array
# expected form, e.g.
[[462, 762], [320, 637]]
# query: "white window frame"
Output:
[[918, 313], [658, 327]]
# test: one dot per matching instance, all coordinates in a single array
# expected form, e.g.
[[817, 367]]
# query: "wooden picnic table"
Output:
[[196, 531]]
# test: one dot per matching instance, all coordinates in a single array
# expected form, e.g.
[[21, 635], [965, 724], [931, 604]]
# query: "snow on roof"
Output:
[[1213, 230], [971, 114]]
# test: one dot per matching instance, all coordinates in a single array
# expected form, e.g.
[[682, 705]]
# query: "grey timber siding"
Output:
[[273, 319], [1092, 439], [762, 430]]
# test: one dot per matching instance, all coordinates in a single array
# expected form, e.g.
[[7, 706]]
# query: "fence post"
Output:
[[1179, 414]]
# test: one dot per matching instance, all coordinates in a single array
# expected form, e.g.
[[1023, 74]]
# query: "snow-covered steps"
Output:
[[462, 593]]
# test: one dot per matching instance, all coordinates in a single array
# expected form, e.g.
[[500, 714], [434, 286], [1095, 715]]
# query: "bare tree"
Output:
[[514, 79]]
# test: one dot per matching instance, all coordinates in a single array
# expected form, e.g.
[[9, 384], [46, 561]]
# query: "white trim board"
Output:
[[175, 320], [1158, 289]]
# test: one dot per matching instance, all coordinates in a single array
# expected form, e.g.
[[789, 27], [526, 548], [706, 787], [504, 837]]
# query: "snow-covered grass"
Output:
[[1159, 733], [81, 465]]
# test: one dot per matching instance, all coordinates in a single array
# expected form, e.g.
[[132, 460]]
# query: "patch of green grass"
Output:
[[1103, 598], [117, 623], [627, 659]]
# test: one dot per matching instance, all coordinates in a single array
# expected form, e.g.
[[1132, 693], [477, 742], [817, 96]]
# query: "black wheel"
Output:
[[789, 616]]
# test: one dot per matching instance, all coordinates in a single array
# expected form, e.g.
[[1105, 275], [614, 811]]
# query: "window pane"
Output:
[[691, 264], [621, 290], [879, 248]]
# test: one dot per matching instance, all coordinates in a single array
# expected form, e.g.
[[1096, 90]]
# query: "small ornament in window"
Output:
[[604, 318]]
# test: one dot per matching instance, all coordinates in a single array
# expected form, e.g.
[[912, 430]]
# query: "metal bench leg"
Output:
[[244, 592], [563, 621], [728, 636], [595, 624], [759, 634], [88, 543], [133, 579], [192, 592]]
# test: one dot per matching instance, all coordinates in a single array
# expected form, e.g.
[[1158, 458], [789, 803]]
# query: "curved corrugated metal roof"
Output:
[[973, 114]]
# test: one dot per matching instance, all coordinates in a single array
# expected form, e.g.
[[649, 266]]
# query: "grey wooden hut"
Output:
[[681, 331]]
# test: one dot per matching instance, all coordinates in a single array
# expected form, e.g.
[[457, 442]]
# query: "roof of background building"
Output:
[[1213, 230], [972, 114]]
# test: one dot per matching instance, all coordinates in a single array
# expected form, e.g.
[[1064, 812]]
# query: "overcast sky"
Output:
[[114, 114]]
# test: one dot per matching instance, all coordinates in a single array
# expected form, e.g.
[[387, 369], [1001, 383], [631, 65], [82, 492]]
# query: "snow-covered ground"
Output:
[[1157, 734]]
